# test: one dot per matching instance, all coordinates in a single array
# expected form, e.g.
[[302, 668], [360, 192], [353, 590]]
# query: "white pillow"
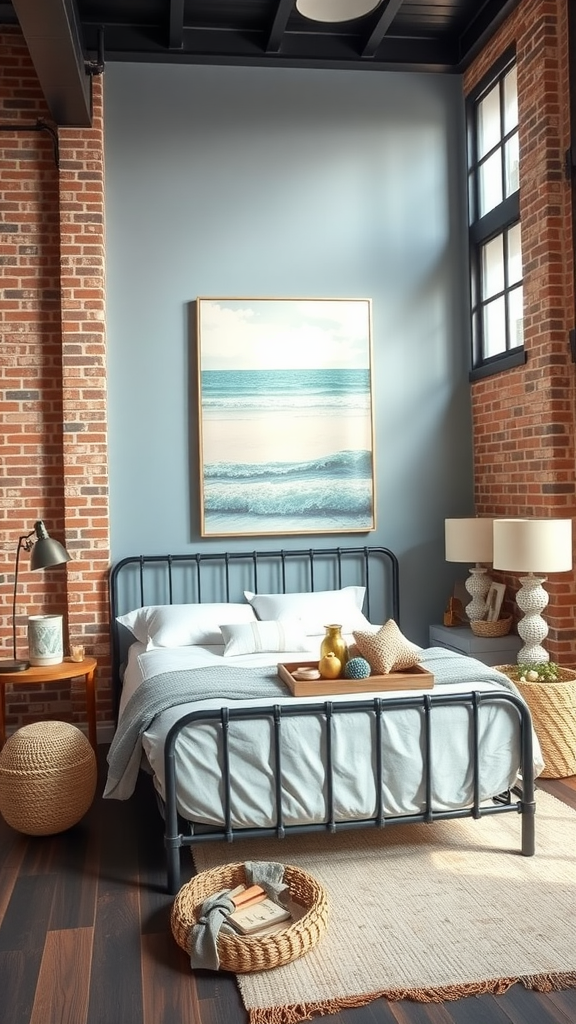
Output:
[[256, 637], [181, 625], [315, 610]]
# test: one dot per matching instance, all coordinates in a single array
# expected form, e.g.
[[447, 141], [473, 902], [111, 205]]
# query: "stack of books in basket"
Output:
[[255, 914]]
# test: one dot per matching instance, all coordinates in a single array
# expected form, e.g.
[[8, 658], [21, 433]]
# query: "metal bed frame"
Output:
[[180, 833]]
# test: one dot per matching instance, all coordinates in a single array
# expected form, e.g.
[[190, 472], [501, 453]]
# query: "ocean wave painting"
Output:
[[285, 416]]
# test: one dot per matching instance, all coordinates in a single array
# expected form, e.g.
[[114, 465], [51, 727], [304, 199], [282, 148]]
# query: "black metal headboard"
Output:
[[141, 580]]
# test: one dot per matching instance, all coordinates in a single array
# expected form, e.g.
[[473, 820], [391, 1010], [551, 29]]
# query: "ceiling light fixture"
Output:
[[333, 11]]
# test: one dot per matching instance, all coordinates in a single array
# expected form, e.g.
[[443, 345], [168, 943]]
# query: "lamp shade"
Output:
[[533, 545], [468, 540], [46, 551]]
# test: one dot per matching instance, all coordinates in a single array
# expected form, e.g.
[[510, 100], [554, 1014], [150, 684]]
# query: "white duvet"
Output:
[[198, 764]]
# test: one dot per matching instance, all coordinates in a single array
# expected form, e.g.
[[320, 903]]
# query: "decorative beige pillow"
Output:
[[388, 650]]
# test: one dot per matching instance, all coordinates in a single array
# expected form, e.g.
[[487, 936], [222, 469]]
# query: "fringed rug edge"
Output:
[[306, 1011]]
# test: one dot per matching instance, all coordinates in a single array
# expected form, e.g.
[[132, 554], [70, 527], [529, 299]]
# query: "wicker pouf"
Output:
[[245, 953], [47, 778]]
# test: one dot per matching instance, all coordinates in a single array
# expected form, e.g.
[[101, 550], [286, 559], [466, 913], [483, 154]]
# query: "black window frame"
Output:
[[495, 222]]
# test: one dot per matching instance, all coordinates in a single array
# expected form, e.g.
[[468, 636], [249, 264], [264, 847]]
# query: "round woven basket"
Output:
[[47, 778], [499, 628], [553, 709], [244, 953]]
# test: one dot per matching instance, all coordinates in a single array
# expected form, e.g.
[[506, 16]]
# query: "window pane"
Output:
[[490, 183], [510, 101], [493, 267], [494, 325], [516, 317], [514, 255], [512, 164], [489, 122]]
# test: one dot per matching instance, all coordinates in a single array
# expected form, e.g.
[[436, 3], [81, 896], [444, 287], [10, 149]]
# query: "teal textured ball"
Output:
[[357, 668]]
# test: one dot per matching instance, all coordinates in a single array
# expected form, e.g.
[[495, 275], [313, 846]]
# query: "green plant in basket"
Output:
[[540, 672]]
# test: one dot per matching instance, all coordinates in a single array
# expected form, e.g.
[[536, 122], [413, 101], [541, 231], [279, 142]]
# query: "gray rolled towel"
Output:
[[270, 875]]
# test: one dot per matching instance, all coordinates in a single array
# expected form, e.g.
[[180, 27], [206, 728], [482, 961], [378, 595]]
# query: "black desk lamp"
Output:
[[45, 552]]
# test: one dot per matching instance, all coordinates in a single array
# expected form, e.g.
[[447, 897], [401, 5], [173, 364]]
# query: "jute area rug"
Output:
[[423, 912]]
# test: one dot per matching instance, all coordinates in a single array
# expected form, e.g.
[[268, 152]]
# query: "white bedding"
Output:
[[197, 756]]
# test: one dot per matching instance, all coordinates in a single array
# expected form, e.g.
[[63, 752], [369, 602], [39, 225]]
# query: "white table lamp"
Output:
[[470, 540], [533, 546]]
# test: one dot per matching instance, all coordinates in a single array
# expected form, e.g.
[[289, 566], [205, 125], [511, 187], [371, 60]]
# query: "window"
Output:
[[495, 231]]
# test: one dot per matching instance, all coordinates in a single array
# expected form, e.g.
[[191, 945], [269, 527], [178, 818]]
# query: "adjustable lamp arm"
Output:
[[25, 543]]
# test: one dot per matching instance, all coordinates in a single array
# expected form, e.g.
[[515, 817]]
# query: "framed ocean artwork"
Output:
[[285, 416]]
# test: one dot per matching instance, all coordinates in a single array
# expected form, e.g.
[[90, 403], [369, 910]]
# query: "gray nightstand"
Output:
[[500, 650]]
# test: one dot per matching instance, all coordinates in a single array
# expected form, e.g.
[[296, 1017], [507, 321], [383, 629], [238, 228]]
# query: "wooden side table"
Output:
[[36, 674]]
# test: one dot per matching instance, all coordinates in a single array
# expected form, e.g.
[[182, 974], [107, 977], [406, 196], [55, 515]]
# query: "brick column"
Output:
[[52, 324], [84, 413]]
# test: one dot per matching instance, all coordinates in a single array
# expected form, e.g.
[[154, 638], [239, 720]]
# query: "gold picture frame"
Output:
[[286, 424]]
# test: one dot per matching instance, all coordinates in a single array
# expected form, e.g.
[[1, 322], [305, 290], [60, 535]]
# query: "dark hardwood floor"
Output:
[[85, 936]]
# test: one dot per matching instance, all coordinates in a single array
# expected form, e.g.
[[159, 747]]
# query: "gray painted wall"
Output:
[[286, 182]]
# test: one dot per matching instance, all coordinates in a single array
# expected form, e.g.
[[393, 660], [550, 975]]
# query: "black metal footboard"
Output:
[[520, 799]]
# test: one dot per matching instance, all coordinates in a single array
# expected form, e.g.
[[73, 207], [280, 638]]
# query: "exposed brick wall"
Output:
[[524, 418], [52, 326]]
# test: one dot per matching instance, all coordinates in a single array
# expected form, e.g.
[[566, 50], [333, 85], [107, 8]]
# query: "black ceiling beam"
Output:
[[283, 11], [381, 27], [482, 27], [176, 25], [50, 28], [220, 47]]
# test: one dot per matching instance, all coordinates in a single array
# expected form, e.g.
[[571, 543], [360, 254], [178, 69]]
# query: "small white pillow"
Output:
[[316, 610], [257, 637], [182, 625]]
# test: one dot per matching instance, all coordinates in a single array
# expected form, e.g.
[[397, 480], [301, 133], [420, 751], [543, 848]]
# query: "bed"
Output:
[[196, 644]]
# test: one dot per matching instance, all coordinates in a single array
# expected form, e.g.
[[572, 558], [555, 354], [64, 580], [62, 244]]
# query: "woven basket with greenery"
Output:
[[551, 697], [243, 953]]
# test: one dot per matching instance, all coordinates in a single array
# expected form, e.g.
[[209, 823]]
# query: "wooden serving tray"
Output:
[[415, 678]]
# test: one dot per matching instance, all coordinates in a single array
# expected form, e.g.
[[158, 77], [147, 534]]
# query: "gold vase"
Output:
[[334, 643]]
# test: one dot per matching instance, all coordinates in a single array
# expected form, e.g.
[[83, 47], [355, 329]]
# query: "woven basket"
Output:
[[499, 628], [244, 953], [553, 709], [47, 778]]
